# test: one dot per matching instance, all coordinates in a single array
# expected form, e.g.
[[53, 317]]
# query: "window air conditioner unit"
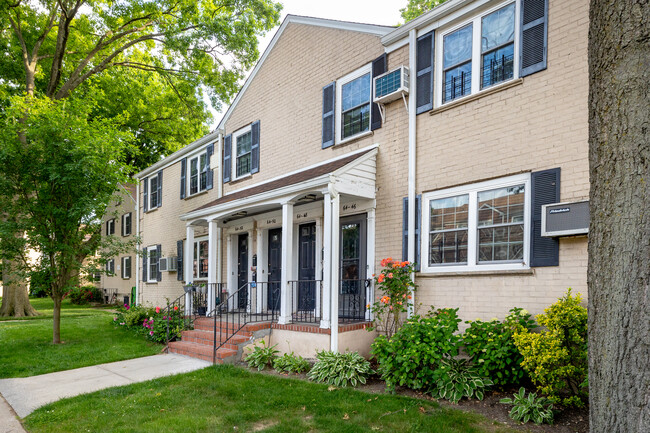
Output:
[[168, 264], [565, 219], [391, 85]]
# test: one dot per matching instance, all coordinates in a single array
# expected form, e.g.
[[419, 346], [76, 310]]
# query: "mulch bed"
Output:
[[566, 421]]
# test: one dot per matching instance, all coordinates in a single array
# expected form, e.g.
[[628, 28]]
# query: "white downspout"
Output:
[[219, 195], [411, 159], [334, 269], [137, 234]]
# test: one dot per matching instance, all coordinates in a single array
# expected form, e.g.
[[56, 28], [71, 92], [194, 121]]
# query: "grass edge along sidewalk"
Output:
[[227, 398], [89, 338]]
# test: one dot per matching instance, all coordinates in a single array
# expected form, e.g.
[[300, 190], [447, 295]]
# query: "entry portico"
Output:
[[300, 247]]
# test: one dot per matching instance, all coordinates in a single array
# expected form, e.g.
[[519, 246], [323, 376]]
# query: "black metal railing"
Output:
[[496, 70], [353, 300], [307, 300], [457, 86], [251, 303], [177, 318]]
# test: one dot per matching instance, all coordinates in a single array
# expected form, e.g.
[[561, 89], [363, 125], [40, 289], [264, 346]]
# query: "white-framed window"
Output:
[[127, 226], [152, 264], [153, 192], [477, 53], [126, 268], [110, 267], [110, 227], [353, 104], [197, 179], [200, 259], [242, 152], [479, 227]]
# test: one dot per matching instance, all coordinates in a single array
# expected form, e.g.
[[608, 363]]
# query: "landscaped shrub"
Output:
[[261, 356], [340, 369], [290, 363], [459, 379], [395, 282], [411, 357], [84, 295], [151, 322], [492, 347], [556, 358], [532, 408]]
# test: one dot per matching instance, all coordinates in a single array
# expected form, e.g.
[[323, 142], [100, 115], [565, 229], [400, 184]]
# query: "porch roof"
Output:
[[282, 184]]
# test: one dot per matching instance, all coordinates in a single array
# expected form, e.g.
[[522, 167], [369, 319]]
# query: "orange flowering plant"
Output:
[[395, 282]]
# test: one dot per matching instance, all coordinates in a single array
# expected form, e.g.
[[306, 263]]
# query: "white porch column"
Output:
[[213, 229], [189, 267], [327, 260], [370, 252], [260, 270], [336, 233], [287, 263]]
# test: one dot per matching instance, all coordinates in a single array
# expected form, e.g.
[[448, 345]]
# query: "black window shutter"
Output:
[[144, 264], [179, 260], [145, 195], [418, 213], [329, 95], [183, 177], [108, 223], [379, 66], [159, 189], [227, 151], [545, 190], [405, 228], [210, 173], [122, 225], [424, 74], [255, 147], [533, 36], [159, 249]]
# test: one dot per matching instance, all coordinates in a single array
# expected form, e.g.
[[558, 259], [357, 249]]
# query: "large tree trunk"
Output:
[[619, 236], [15, 300]]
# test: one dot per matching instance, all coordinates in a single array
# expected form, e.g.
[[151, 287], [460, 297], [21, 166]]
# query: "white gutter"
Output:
[[137, 233], [410, 246]]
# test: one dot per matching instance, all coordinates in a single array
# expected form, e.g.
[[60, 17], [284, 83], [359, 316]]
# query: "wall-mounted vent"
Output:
[[391, 85], [565, 219]]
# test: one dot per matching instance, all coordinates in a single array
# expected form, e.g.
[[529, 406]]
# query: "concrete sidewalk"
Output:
[[29, 393]]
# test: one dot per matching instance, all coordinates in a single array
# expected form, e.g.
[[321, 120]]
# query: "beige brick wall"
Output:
[[162, 226], [537, 125], [123, 204]]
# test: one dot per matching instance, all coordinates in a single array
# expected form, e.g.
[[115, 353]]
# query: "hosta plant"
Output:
[[290, 363], [261, 356], [530, 408], [340, 369], [459, 379]]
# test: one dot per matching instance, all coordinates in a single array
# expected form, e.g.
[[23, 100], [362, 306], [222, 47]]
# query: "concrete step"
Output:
[[207, 338], [201, 351]]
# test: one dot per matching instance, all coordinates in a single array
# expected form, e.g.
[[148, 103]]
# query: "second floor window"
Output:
[[243, 155], [153, 192], [110, 227], [198, 173], [354, 103], [126, 224], [478, 54]]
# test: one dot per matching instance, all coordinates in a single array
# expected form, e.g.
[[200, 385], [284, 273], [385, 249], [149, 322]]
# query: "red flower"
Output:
[[175, 307]]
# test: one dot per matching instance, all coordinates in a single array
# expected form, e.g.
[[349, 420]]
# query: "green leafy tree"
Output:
[[150, 66], [415, 8]]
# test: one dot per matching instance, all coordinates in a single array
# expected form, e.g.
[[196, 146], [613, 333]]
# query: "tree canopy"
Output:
[[415, 8]]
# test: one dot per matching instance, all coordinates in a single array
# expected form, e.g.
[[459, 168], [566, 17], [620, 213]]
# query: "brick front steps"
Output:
[[198, 343]]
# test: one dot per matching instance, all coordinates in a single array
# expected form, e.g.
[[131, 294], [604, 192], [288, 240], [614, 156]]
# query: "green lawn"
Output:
[[226, 398], [88, 336]]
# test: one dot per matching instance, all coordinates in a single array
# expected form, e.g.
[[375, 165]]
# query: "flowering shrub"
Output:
[[412, 356], [84, 295], [556, 358], [492, 347], [151, 322], [395, 282]]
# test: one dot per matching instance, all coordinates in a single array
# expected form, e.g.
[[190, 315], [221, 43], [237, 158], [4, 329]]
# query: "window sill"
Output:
[[152, 210], [353, 138], [240, 179], [475, 96], [205, 191], [152, 282], [529, 271]]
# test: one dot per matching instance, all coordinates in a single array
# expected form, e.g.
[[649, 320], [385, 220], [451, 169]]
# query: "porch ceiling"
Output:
[[353, 175]]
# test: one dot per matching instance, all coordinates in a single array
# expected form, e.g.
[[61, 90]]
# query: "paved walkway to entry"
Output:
[[26, 394]]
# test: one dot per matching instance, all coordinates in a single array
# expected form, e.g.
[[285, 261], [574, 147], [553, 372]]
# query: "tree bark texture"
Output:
[[15, 300], [619, 235]]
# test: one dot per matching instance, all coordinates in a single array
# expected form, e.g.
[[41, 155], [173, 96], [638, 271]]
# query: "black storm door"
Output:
[[307, 267], [242, 268], [352, 293], [275, 269]]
